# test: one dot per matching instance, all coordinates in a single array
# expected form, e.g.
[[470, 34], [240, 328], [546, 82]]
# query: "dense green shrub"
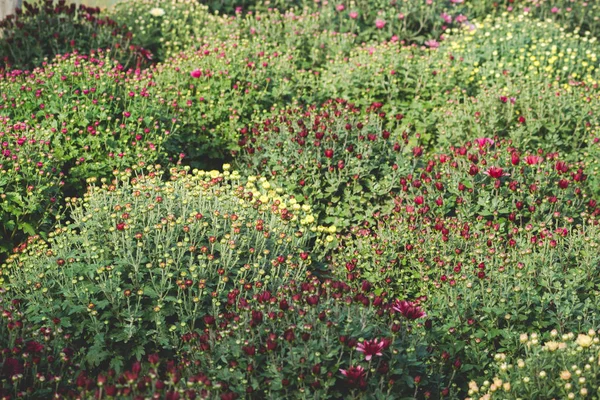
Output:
[[162, 27], [561, 366], [29, 182], [214, 91], [344, 161], [142, 261], [44, 29]]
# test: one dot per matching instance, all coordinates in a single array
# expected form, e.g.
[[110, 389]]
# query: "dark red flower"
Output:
[[495, 172], [33, 347], [371, 348], [408, 309], [561, 167], [356, 376], [12, 367]]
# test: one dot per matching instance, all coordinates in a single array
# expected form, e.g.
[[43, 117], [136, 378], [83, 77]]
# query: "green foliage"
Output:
[[161, 27], [45, 29], [142, 261], [561, 366], [344, 161], [29, 183], [213, 91]]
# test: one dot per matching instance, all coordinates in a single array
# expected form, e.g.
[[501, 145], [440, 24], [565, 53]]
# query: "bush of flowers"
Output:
[[516, 45], [323, 340], [344, 161], [308, 338], [306, 32], [579, 15], [44, 29], [487, 265], [417, 191], [214, 91], [163, 28], [29, 183], [561, 121], [410, 20], [555, 366], [93, 112], [142, 261]]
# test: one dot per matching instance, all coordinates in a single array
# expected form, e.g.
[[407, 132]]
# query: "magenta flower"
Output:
[[432, 44], [353, 14], [196, 73], [371, 348], [533, 160], [482, 142], [379, 23], [356, 376], [495, 172], [408, 309], [460, 19]]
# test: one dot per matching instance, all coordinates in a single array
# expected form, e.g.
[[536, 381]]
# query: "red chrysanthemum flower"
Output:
[[408, 309]]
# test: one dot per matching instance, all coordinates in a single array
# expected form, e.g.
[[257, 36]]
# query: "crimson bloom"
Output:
[[371, 348], [484, 141], [408, 309], [196, 73], [356, 376], [495, 172]]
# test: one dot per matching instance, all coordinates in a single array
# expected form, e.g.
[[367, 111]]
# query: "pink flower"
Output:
[[196, 73], [379, 23], [371, 348], [447, 18], [482, 142], [460, 19], [555, 10], [353, 14], [340, 7], [408, 309], [432, 43], [533, 160]]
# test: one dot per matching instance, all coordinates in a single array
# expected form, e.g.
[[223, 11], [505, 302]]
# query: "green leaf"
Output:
[[27, 228]]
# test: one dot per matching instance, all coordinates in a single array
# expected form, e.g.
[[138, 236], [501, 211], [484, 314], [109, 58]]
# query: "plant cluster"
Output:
[[44, 29], [358, 199], [559, 366], [118, 266]]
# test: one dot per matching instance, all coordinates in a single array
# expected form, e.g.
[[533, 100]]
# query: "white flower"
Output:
[[157, 12]]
